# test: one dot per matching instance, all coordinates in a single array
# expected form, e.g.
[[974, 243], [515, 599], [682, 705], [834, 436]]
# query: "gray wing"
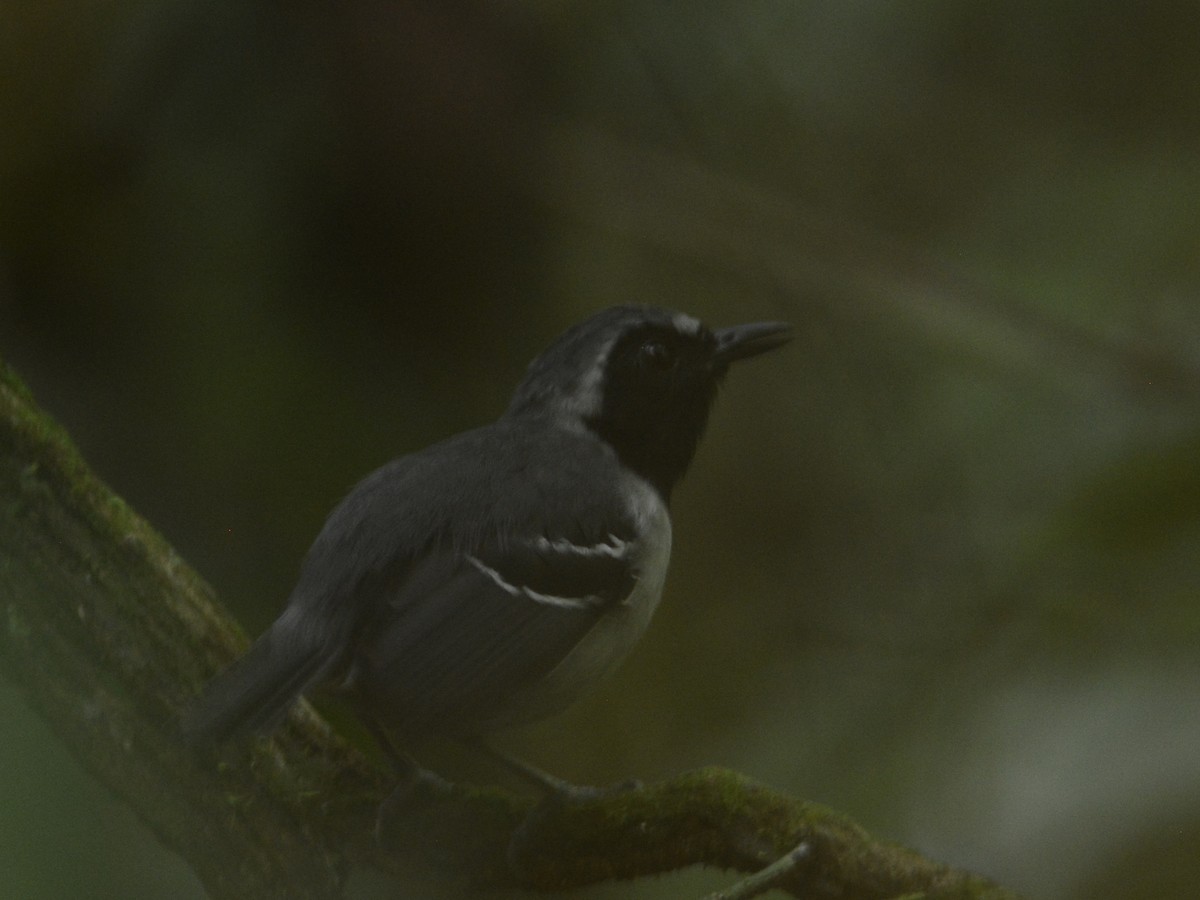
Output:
[[407, 593], [467, 632]]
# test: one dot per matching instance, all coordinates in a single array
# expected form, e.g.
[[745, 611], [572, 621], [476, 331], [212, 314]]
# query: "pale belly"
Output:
[[609, 641]]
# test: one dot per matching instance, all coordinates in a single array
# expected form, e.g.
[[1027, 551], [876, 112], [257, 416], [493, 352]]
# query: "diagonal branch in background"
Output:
[[676, 206], [109, 633]]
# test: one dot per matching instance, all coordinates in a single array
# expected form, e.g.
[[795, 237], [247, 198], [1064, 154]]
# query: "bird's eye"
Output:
[[655, 355]]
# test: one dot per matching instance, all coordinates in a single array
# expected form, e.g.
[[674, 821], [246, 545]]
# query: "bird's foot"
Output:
[[560, 796], [416, 788]]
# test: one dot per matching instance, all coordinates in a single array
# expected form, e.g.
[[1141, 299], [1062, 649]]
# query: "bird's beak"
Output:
[[745, 341]]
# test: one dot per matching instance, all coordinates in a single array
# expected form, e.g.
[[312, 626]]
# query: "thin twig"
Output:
[[762, 881]]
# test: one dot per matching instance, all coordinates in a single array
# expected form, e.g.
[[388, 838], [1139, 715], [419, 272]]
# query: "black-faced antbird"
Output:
[[488, 579]]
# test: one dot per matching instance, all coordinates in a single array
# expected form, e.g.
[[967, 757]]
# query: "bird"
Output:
[[488, 580]]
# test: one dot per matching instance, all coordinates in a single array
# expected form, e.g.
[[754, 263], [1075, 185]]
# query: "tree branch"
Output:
[[110, 634]]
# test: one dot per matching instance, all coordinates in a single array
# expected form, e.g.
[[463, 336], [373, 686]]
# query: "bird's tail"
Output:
[[255, 692]]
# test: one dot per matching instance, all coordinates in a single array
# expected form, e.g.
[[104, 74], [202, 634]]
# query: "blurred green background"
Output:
[[936, 564]]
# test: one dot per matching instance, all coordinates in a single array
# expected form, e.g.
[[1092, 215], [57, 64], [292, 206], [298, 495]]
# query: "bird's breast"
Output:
[[609, 641]]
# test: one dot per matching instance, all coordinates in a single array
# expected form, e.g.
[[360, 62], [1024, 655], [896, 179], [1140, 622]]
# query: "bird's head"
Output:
[[642, 379]]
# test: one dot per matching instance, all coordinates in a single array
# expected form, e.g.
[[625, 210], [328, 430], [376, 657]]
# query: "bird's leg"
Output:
[[413, 780], [557, 795], [552, 786]]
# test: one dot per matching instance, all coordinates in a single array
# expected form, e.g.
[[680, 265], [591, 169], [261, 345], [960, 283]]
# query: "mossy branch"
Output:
[[110, 634]]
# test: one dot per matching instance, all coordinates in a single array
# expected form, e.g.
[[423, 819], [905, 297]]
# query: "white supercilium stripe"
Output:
[[583, 401], [685, 324]]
